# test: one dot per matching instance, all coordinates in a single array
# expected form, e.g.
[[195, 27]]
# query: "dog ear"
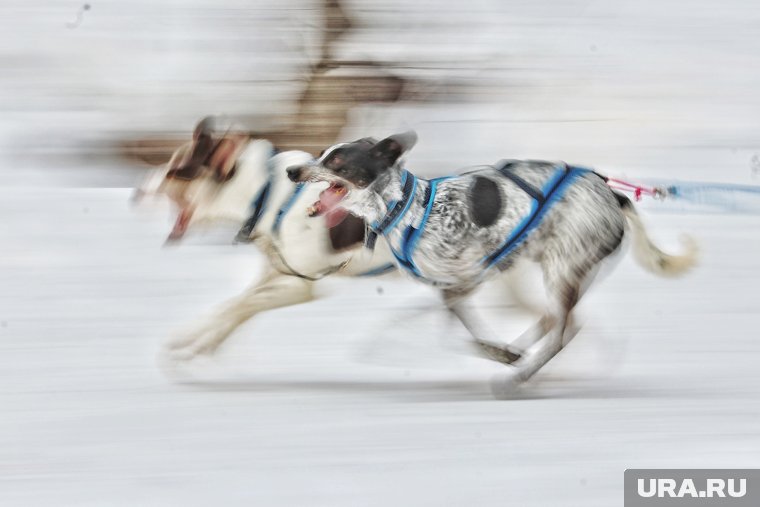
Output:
[[190, 165], [391, 148], [201, 150], [204, 128]]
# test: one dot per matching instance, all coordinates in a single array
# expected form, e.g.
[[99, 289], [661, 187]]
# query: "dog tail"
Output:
[[648, 255]]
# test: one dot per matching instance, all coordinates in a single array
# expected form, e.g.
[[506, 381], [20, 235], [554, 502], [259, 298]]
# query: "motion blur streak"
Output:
[[360, 398]]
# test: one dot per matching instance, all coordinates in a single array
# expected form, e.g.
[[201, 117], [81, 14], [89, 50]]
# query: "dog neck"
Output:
[[232, 199], [385, 202], [389, 186], [371, 203]]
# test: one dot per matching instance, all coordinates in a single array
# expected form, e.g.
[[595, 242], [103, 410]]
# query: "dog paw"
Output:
[[187, 350], [501, 354], [172, 365], [506, 385], [181, 340]]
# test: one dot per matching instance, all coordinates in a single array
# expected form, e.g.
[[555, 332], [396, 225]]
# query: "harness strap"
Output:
[[381, 270], [412, 234], [312, 278], [505, 168], [637, 190], [552, 191], [286, 207], [397, 209], [370, 239], [259, 203]]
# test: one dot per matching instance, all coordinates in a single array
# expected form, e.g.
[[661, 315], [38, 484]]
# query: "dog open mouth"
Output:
[[328, 204]]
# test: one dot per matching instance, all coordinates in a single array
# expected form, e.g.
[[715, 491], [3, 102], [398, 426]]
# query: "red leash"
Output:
[[638, 190]]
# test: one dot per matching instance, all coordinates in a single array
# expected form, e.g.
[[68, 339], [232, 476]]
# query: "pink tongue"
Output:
[[330, 200], [180, 226]]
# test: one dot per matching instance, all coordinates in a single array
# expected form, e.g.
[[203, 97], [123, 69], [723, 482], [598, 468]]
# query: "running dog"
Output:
[[455, 232], [234, 178]]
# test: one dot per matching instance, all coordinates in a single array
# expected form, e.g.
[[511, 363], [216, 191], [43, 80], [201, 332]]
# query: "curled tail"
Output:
[[648, 255]]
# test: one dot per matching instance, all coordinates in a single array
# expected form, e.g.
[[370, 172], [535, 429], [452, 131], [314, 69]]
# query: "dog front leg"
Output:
[[502, 353], [276, 290]]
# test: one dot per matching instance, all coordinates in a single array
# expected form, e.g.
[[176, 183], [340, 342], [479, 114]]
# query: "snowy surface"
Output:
[[359, 398]]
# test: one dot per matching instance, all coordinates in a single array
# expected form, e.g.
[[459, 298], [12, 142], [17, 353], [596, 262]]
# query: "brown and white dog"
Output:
[[222, 178]]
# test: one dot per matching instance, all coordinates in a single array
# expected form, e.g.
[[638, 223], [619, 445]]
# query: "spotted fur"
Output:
[[577, 232], [484, 201]]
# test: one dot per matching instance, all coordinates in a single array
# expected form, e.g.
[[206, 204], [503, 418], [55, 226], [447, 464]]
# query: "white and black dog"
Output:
[[454, 232]]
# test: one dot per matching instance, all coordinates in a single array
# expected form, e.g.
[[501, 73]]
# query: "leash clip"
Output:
[[660, 193]]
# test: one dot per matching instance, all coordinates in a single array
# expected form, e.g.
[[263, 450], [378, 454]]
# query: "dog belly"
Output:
[[447, 265]]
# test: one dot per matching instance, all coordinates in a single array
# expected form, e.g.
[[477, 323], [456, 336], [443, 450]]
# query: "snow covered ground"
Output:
[[359, 398]]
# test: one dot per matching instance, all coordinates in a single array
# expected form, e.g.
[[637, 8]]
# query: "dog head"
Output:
[[359, 173], [196, 171], [207, 152]]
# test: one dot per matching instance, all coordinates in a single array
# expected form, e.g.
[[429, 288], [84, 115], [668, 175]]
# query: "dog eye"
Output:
[[335, 163]]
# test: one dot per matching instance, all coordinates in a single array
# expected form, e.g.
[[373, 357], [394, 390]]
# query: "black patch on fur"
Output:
[[348, 233], [485, 201]]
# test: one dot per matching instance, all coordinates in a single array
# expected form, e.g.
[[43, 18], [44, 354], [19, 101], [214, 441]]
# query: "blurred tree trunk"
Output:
[[332, 89]]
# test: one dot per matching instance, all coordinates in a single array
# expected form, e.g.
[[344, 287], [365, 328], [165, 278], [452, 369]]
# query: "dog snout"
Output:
[[295, 172]]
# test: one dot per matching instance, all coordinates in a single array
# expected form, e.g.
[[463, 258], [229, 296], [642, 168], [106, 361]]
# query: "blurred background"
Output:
[[630, 86], [356, 398]]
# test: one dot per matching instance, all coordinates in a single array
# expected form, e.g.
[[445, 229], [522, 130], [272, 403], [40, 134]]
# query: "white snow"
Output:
[[358, 398]]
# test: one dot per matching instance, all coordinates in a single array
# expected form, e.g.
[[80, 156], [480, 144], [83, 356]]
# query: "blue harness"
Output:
[[259, 205], [541, 201]]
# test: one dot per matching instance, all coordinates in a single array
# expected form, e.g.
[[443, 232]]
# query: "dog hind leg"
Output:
[[564, 293], [565, 284]]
